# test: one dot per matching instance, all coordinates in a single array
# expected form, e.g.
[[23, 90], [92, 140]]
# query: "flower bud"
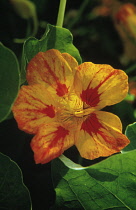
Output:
[[24, 8]]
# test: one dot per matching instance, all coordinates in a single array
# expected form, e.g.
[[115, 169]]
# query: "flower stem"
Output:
[[61, 12]]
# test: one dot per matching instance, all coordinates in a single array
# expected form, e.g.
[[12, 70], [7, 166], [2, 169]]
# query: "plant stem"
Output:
[[61, 12], [79, 14]]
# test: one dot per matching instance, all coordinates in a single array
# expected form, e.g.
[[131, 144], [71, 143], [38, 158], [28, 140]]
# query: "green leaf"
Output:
[[23, 68], [13, 193], [110, 184], [131, 134], [9, 81], [54, 38]]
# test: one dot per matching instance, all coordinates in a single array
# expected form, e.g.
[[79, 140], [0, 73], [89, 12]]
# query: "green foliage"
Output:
[[13, 193], [54, 38], [40, 7], [9, 80], [110, 184], [131, 134]]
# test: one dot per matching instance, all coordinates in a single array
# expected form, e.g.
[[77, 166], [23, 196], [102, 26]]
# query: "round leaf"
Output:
[[9, 81], [13, 193], [110, 184], [54, 38]]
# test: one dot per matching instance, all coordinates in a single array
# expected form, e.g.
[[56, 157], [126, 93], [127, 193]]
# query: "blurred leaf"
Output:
[[9, 80], [131, 134], [25, 9], [54, 38], [110, 184], [125, 112], [130, 98], [40, 7], [13, 193]]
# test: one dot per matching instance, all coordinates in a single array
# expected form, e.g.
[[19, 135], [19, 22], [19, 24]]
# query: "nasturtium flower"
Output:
[[126, 16], [61, 106]]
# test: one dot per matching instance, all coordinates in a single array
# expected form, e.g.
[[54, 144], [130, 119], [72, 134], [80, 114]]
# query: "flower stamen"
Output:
[[84, 112]]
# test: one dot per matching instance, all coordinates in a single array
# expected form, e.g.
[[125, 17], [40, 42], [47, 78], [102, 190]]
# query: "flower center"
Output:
[[72, 111], [84, 112]]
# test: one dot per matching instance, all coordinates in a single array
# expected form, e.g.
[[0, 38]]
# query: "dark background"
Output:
[[97, 41]]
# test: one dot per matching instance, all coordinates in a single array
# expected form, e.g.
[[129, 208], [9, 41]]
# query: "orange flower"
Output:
[[132, 88], [61, 104], [127, 17]]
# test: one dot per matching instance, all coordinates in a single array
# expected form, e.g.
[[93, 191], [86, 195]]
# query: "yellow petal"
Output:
[[72, 62], [100, 135], [52, 69], [100, 85], [34, 106], [50, 142], [66, 113]]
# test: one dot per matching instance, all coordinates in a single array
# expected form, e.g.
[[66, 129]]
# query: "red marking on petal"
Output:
[[115, 143], [58, 134], [91, 124], [49, 146], [50, 72], [91, 95], [49, 111], [61, 89]]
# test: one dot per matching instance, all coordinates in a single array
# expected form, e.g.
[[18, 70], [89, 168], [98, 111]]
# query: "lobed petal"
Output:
[[74, 102], [34, 106], [50, 142], [100, 85], [52, 69], [100, 135], [66, 114], [72, 62]]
